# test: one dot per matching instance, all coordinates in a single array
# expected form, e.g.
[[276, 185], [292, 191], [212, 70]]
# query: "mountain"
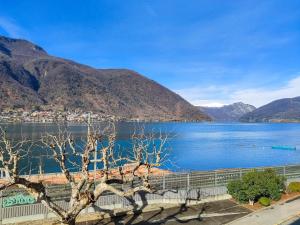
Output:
[[30, 78], [228, 113], [282, 110]]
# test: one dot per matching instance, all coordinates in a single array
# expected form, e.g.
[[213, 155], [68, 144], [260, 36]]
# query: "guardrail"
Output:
[[213, 182], [183, 181]]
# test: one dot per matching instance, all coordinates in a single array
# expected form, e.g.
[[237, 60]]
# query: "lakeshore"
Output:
[[77, 116], [60, 178]]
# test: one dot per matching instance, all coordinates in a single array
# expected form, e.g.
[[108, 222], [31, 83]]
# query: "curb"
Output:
[[289, 218]]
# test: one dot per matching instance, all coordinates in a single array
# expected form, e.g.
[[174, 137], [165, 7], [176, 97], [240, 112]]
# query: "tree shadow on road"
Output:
[[157, 217]]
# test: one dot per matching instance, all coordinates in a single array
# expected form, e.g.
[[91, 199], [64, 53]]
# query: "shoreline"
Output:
[[59, 178], [143, 121]]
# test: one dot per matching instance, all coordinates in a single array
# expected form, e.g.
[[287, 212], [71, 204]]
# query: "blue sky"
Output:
[[210, 52]]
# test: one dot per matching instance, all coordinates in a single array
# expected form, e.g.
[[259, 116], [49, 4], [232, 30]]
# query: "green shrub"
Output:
[[294, 187], [274, 185], [256, 184], [235, 189], [264, 201]]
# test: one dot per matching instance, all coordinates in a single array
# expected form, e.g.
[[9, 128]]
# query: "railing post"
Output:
[[188, 182], [216, 178], [1, 205], [284, 171], [164, 182]]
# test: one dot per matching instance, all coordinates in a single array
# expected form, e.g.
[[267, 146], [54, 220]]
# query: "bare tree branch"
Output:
[[116, 166]]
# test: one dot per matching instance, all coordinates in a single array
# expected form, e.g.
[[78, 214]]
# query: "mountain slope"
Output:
[[30, 78], [231, 112], [287, 109]]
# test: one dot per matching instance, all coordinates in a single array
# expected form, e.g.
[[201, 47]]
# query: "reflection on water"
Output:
[[201, 146]]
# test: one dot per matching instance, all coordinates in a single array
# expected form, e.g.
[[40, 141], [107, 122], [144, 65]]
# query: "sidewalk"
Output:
[[276, 214]]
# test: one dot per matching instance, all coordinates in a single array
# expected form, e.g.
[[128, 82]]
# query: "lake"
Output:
[[204, 146]]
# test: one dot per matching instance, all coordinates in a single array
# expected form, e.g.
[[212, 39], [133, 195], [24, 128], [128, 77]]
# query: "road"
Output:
[[213, 213]]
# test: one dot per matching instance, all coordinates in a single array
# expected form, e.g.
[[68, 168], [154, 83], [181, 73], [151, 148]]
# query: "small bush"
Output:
[[264, 201], [256, 184], [294, 187]]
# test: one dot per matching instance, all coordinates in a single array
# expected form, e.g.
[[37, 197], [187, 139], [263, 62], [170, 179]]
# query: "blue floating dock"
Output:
[[282, 147]]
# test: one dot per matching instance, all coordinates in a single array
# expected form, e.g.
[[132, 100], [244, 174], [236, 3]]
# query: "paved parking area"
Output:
[[213, 213]]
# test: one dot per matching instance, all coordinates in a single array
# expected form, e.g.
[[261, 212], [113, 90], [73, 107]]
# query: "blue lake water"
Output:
[[206, 146]]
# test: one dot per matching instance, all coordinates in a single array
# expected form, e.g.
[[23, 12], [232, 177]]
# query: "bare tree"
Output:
[[117, 166]]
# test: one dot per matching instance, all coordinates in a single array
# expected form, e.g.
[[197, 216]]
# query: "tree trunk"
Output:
[[69, 222]]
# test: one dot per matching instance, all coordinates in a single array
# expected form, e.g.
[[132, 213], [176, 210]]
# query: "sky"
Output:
[[212, 52]]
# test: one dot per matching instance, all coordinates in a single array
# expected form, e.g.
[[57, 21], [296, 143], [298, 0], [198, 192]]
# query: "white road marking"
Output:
[[205, 215]]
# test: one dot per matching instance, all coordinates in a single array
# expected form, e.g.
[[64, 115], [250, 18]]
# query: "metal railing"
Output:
[[213, 182], [183, 181]]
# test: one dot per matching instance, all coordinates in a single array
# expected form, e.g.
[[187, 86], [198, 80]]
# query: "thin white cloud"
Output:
[[222, 95], [261, 97], [211, 104], [206, 96], [11, 28]]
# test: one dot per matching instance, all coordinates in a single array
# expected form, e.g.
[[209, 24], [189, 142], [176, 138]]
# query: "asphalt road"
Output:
[[297, 222], [292, 221], [213, 213]]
